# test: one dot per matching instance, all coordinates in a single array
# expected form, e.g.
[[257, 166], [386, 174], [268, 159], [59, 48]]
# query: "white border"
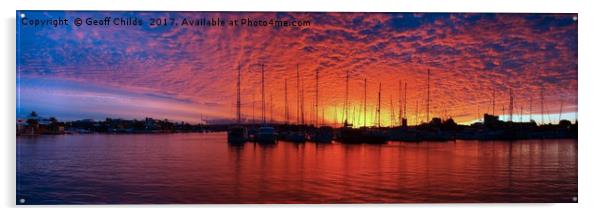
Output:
[[589, 104]]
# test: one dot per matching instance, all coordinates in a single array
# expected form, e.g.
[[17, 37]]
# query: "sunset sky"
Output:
[[183, 73]]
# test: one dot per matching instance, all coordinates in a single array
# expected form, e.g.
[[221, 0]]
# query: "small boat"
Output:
[[237, 135], [266, 135], [348, 134], [252, 134], [323, 134], [374, 136], [403, 134], [296, 136]]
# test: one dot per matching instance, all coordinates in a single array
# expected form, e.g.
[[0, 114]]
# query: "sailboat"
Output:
[[321, 134], [375, 135], [266, 134], [348, 134], [296, 133], [237, 134]]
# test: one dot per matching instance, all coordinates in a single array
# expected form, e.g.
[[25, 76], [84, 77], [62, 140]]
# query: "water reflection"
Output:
[[202, 168]]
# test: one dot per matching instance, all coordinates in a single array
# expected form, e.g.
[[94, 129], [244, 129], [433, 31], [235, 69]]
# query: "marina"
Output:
[[312, 108]]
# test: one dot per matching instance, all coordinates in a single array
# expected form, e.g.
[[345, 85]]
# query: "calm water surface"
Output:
[[202, 168]]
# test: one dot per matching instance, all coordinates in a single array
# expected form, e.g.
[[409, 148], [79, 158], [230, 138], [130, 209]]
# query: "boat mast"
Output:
[[298, 97], [253, 107], [286, 101], [238, 96], [511, 108], [417, 107], [317, 110], [352, 118], [347, 98], [271, 110], [428, 94], [391, 111], [405, 99], [356, 115], [365, 92], [262, 96], [378, 109], [400, 110], [323, 122], [541, 99], [336, 115], [302, 103]]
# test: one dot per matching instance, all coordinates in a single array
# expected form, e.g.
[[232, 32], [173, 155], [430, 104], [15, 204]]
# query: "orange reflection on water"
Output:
[[202, 168]]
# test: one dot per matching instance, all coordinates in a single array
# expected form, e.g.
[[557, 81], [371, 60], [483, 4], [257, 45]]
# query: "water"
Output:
[[202, 168]]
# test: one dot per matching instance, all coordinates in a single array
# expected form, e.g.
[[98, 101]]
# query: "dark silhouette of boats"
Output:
[[295, 136], [348, 134], [323, 134], [252, 134], [266, 135], [374, 136], [293, 133], [405, 134], [296, 133], [237, 134]]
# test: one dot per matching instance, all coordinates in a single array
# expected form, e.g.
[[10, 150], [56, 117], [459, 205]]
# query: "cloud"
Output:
[[469, 55]]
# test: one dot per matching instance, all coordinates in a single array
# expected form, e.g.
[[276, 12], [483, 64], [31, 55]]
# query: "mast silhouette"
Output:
[[336, 115], [253, 118], [405, 99], [302, 103], [541, 97], [298, 97], [317, 109], [365, 94], [356, 115], [352, 117], [400, 105], [271, 110], [417, 107], [428, 94], [262, 96], [391, 111], [286, 101], [347, 98], [511, 108], [378, 109], [238, 96]]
